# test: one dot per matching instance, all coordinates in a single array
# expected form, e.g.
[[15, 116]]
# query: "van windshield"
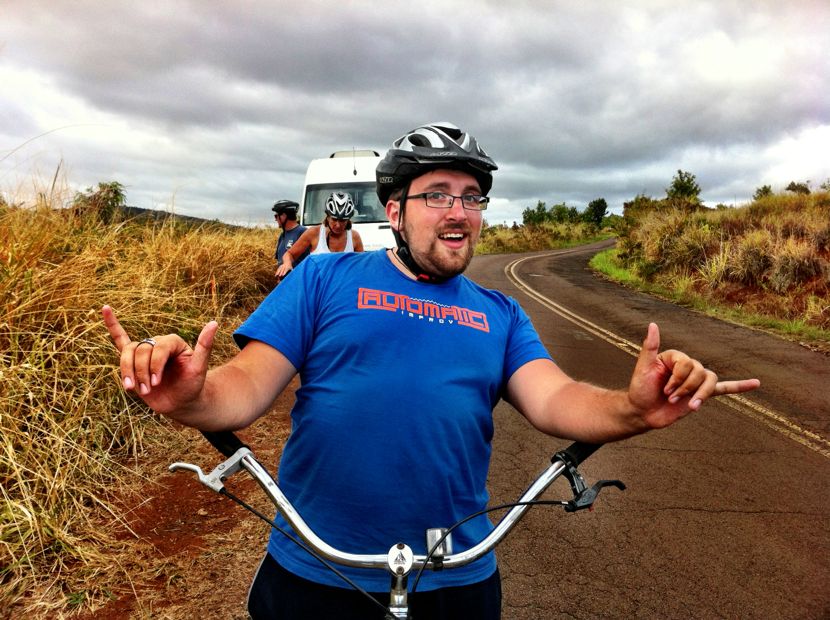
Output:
[[367, 205]]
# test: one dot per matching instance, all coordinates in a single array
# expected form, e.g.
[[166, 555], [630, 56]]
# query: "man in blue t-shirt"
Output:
[[401, 361], [285, 212]]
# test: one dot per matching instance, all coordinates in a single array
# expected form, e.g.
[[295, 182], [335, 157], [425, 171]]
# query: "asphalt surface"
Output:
[[726, 514]]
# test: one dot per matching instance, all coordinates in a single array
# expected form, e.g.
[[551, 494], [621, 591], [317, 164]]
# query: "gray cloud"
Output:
[[219, 106]]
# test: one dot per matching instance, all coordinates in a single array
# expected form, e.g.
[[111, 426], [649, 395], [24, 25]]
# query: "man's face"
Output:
[[442, 241], [281, 219]]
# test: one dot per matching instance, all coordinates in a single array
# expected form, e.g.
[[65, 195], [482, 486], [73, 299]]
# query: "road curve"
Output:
[[726, 514]]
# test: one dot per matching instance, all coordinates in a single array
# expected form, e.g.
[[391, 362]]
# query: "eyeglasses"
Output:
[[440, 200]]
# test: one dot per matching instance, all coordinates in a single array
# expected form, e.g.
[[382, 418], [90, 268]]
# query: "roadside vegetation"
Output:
[[73, 445], [71, 441], [544, 228], [765, 264]]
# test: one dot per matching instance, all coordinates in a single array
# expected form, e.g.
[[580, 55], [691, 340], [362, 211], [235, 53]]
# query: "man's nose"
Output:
[[457, 210]]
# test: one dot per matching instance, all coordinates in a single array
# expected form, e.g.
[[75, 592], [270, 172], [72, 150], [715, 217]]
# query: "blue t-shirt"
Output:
[[392, 424]]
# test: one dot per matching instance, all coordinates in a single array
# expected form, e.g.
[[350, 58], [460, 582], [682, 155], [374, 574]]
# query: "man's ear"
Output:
[[393, 209]]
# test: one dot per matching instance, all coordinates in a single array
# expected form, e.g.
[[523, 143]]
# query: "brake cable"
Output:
[[303, 546]]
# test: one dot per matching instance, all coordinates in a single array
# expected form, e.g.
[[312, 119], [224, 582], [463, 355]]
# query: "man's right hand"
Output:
[[168, 375]]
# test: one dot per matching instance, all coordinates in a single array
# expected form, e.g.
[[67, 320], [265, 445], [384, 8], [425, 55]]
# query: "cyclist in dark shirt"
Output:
[[285, 212]]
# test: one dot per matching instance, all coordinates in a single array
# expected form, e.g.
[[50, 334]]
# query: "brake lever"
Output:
[[584, 496], [585, 499], [215, 479]]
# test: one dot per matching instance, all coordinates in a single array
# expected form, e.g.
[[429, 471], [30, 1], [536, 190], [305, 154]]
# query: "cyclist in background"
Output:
[[401, 361], [285, 212], [335, 234]]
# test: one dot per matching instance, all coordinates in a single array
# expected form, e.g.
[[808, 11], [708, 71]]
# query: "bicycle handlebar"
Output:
[[399, 561], [577, 452], [241, 457]]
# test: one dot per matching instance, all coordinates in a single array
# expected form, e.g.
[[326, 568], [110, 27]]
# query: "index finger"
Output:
[[736, 387], [117, 333]]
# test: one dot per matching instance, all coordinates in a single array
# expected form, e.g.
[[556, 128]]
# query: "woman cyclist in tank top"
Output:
[[335, 234]]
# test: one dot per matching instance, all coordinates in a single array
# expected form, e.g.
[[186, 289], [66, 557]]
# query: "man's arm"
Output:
[[664, 387], [295, 252], [174, 380]]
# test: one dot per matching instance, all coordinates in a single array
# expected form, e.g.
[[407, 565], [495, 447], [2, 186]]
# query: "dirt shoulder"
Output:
[[201, 549]]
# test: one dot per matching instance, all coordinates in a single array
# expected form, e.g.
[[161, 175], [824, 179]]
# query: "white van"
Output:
[[352, 172]]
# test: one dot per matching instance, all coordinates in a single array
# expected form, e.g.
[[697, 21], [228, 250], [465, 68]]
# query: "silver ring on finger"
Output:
[[149, 341]]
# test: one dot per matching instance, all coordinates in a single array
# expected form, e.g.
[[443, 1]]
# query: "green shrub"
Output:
[[698, 244]]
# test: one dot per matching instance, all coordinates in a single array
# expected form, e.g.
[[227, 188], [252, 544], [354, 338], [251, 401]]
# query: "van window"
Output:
[[367, 205]]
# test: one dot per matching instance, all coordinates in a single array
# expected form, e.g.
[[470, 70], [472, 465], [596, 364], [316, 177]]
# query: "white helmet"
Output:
[[340, 205]]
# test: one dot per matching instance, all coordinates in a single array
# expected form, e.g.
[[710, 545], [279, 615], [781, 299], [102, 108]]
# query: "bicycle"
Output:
[[400, 560]]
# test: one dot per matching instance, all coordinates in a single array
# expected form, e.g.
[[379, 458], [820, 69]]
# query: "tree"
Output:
[[595, 211], [535, 217], [799, 188], [104, 202], [559, 213], [573, 215], [762, 192], [684, 187]]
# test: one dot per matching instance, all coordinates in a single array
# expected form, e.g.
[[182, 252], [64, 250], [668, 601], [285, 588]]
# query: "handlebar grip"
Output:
[[577, 452], [224, 441]]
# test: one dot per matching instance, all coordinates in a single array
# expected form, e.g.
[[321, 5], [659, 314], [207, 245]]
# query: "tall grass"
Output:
[[70, 438], [770, 258]]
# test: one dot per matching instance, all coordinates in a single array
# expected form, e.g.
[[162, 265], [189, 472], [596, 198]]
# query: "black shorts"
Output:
[[277, 594]]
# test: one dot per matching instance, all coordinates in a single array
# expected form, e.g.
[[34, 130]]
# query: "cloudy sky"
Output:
[[214, 108]]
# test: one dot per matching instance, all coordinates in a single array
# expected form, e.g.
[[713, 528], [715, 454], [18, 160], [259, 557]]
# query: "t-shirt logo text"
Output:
[[370, 299]]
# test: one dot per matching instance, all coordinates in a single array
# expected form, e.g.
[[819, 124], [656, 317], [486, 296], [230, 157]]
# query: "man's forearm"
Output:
[[226, 402], [584, 412]]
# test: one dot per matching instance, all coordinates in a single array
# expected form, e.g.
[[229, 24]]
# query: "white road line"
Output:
[[739, 403]]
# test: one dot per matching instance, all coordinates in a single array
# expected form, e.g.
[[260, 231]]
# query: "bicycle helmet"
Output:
[[429, 147], [285, 206], [426, 148], [340, 205]]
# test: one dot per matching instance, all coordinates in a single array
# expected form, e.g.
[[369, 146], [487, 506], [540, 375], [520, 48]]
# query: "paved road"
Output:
[[726, 515]]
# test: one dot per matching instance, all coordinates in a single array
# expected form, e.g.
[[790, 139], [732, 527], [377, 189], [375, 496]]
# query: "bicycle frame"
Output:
[[399, 561]]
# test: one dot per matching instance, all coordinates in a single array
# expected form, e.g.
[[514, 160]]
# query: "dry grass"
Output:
[[769, 260], [70, 439]]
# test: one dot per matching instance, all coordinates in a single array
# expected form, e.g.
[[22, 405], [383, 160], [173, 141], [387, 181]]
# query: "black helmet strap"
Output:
[[403, 252]]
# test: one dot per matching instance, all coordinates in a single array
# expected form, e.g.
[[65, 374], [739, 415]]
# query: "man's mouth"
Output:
[[452, 236]]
